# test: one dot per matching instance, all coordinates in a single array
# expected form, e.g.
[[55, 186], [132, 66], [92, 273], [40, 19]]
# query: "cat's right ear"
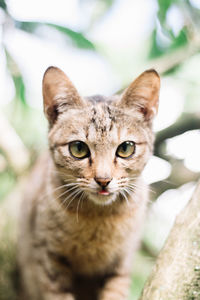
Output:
[[59, 94], [143, 94]]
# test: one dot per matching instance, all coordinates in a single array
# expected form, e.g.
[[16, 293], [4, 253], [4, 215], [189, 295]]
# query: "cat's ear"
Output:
[[58, 94], [143, 94]]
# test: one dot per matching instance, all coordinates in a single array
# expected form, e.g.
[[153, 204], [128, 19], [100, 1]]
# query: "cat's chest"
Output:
[[91, 245]]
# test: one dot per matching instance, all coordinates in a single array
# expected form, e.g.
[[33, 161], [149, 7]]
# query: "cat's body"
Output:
[[82, 220]]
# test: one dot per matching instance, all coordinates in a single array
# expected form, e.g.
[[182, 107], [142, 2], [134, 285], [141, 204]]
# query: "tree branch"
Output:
[[176, 274]]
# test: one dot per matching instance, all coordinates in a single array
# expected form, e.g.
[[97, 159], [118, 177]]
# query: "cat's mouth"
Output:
[[102, 197], [104, 192]]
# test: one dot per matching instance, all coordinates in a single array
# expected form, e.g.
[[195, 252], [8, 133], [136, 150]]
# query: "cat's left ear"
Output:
[[143, 94]]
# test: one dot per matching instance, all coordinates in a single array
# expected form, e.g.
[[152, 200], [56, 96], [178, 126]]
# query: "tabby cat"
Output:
[[84, 207]]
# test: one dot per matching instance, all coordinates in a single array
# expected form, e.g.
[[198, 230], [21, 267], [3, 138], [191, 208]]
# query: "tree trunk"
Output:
[[176, 274]]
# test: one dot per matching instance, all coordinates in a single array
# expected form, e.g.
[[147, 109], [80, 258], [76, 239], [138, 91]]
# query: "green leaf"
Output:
[[27, 26], [20, 88], [158, 47], [155, 49], [180, 40], [77, 38], [17, 78], [164, 5], [3, 5]]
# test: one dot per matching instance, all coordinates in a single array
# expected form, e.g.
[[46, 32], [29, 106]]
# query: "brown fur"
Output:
[[75, 243]]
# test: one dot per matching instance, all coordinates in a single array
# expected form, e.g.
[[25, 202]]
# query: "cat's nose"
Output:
[[103, 182]]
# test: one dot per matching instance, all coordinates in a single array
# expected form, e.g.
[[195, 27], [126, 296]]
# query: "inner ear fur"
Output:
[[143, 93], [58, 94]]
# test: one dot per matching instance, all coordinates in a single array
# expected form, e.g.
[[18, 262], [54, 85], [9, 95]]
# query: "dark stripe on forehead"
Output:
[[100, 121], [93, 119], [111, 117], [104, 121]]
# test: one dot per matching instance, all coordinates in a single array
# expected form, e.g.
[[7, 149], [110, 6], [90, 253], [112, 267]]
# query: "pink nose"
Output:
[[103, 182]]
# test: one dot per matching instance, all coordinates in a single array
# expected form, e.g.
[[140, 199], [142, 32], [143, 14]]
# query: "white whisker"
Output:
[[74, 194], [134, 188], [78, 205], [57, 188], [125, 197], [82, 199], [71, 194], [67, 191]]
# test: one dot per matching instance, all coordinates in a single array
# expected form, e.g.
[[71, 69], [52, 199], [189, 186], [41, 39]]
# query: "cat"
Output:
[[83, 211]]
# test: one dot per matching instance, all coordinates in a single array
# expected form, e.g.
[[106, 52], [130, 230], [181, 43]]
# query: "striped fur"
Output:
[[74, 242]]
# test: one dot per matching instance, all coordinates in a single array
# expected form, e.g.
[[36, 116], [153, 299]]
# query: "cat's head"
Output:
[[100, 145]]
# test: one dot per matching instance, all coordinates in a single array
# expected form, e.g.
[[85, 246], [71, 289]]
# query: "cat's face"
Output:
[[100, 146]]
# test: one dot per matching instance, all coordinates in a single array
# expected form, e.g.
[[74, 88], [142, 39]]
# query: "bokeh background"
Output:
[[102, 45]]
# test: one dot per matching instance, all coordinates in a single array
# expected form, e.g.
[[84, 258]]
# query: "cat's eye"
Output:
[[126, 149], [79, 149]]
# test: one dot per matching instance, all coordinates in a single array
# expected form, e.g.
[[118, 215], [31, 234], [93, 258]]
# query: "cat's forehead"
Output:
[[106, 118], [99, 123]]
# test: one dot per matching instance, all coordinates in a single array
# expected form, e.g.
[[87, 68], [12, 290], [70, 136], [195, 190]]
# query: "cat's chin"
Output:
[[102, 199]]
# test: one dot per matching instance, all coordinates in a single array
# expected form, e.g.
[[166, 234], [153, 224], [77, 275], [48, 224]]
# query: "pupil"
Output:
[[79, 146], [124, 147]]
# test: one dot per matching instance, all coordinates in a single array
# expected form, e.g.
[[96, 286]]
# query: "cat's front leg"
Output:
[[116, 288], [54, 277]]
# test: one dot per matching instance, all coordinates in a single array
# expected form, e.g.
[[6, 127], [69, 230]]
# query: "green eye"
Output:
[[126, 149], [79, 149]]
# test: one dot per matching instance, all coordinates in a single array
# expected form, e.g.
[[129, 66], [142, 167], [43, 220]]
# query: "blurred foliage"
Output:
[[7, 182], [17, 78], [3, 5], [157, 49], [173, 41], [77, 38], [8, 275], [24, 119]]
